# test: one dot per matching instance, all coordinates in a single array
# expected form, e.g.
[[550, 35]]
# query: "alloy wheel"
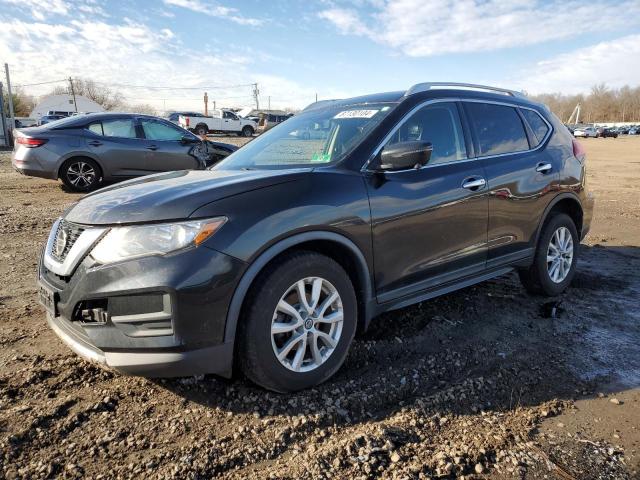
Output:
[[560, 255], [81, 174], [307, 324]]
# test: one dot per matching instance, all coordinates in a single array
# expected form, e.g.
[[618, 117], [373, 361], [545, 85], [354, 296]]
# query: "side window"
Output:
[[498, 127], [154, 130], [96, 128], [120, 127], [438, 124], [537, 124]]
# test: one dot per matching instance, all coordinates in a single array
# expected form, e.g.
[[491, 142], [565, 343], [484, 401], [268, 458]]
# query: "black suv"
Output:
[[272, 259]]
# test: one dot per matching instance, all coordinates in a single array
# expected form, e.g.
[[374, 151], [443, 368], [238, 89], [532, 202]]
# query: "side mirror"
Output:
[[405, 156], [186, 139]]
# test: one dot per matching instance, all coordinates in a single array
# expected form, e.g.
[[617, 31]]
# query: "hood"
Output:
[[170, 195]]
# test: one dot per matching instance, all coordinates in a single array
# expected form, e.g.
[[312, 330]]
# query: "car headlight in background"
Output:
[[123, 243]]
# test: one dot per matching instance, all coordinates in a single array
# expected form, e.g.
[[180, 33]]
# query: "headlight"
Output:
[[122, 243]]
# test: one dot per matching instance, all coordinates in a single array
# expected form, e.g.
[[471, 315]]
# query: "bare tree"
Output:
[[102, 95], [602, 104]]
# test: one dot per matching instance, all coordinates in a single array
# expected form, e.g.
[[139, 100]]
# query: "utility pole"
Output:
[[11, 111], [206, 104], [255, 95], [316, 96], [73, 92], [3, 122], [214, 105]]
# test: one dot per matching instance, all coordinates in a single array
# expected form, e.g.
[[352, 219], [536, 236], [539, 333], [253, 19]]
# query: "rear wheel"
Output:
[[554, 264], [300, 319], [202, 130], [81, 174]]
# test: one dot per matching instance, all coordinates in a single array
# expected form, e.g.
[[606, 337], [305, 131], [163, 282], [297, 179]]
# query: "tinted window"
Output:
[[438, 124], [155, 130], [538, 126], [498, 127], [121, 127]]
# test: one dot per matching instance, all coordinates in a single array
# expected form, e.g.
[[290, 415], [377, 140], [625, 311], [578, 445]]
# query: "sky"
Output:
[[166, 53]]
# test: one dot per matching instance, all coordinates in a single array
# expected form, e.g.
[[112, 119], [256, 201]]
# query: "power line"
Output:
[[149, 87], [40, 83]]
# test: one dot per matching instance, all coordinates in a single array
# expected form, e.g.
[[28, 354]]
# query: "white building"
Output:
[[64, 103]]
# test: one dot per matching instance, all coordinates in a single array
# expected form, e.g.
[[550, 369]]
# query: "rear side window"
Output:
[[498, 128], [537, 124], [120, 127]]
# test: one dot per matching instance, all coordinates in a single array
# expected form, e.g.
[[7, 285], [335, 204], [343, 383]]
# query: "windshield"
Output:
[[314, 138]]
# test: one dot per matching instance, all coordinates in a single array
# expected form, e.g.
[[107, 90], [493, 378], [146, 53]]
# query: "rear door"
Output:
[[521, 175], [164, 141], [430, 224], [115, 142]]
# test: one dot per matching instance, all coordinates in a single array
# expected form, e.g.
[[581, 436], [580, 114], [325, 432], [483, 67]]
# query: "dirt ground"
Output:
[[481, 383]]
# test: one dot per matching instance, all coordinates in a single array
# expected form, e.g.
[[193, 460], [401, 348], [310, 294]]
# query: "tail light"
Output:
[[578, 151], [30, 142]]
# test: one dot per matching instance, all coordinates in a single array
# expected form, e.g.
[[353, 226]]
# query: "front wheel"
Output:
[[556, 256], [247, 131], [202, 130], [299, 320], [81, 174]]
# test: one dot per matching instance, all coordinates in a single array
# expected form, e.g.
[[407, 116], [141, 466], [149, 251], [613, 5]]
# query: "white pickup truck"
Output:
[[220, 121]]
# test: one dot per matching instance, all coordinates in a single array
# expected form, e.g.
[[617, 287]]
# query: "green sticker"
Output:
[[321, 157]]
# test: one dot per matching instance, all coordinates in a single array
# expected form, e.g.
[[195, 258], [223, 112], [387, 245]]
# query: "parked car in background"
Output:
[[269, 120], [220, 121], [634, 131], [585, 132], [606, 132], [274, 258], [174, 117], [85, 150], [49, 118]]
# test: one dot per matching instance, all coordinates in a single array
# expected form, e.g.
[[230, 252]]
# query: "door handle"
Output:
[[95, 143], [544, 167], [474, 183], [152, 147]]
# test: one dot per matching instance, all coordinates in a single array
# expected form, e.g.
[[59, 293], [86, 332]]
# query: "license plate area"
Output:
[[47, 298]]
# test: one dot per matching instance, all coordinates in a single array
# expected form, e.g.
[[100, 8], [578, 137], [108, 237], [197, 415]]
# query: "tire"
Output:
[[247, 131], [539, 277], [81, 174], [202, 130], [260, 340]]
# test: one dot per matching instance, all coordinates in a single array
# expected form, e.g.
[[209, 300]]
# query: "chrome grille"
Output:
[[72, 232]]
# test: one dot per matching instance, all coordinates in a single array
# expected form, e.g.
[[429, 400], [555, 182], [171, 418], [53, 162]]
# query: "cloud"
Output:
[[579, 70], [214, 10], [126, 54], [421, 29], [41, 9], [346, 21]]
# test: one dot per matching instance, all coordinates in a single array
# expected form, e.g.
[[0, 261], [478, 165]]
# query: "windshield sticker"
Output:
[[356, 114], [321, 157]]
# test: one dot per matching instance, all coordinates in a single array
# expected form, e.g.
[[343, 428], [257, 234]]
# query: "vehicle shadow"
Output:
[[492, 346]]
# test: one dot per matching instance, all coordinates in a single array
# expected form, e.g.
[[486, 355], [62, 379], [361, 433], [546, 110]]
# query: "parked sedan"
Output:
[[85, 150], [585, 132]]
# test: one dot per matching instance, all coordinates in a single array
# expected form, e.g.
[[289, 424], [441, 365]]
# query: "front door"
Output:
[[230, 122], [429, 225], [164, 140]]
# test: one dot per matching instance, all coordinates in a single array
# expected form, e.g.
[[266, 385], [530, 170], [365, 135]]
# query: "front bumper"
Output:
[[216, 359], [153, 316]]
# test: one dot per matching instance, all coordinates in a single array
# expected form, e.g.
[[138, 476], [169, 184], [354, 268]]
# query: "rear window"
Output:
[[498, 127], [537, 124]]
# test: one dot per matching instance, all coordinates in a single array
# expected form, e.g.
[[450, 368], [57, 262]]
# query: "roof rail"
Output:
[[423, 87]]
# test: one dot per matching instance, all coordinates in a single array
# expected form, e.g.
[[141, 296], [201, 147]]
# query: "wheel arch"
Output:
[[332, 244], [567, 203]]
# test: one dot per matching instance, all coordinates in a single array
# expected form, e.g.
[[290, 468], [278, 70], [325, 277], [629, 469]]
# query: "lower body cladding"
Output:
[[153, 316]]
